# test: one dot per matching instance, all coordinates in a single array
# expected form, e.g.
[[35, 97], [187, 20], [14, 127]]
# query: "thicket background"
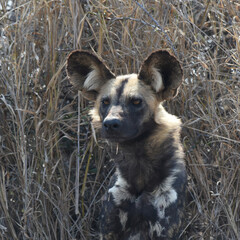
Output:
[[52, 172]]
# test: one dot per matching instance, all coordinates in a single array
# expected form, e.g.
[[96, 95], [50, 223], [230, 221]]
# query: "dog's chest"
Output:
[[135, 166]]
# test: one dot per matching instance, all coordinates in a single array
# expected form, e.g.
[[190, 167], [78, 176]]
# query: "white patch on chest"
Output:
[[135, 237], [123, 216], [155, 228], [164, 196], [120, 190]]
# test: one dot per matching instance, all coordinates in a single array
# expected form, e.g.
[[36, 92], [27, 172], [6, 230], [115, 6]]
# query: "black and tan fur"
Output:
[[146, 195]]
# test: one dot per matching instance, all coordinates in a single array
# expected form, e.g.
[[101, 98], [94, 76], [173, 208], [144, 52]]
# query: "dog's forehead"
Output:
[[128, 85], [122, 85], [130, 78]]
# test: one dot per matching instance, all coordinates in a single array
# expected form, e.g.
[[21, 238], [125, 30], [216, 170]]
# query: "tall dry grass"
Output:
[[52, 172]]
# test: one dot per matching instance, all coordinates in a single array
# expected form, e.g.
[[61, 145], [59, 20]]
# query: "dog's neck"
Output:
[[142, 167]]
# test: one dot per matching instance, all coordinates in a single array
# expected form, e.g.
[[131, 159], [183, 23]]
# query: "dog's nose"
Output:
[[112, 124]]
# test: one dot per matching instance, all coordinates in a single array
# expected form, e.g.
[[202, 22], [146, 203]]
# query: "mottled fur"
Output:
[[146, 194]]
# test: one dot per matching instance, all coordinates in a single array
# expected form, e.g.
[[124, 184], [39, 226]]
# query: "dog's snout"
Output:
[[112, 124]]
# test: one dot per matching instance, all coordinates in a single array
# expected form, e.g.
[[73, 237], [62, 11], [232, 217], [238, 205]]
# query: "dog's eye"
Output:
[[136, 101], [106, 101]]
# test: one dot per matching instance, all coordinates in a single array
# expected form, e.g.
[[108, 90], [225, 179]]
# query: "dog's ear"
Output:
[[87, 73], [163, 73]]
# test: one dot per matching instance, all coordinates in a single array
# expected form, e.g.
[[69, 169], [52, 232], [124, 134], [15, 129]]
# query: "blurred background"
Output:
[[53, 173]]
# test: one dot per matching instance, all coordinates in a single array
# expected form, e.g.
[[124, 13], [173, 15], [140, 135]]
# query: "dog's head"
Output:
[[125, 106]]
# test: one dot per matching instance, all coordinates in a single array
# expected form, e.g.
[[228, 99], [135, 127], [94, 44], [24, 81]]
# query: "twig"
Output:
[[158, 26], [78, 159]]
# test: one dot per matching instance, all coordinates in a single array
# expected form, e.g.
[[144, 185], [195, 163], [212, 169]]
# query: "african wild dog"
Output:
[[146, 194]]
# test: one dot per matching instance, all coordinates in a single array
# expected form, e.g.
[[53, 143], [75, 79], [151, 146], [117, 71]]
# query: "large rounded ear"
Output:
[[163, 73], [87, 73]]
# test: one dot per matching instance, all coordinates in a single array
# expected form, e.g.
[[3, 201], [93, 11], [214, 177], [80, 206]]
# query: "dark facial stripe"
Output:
[[120, 89]]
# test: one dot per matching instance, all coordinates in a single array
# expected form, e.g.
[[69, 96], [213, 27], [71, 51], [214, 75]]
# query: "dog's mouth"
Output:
[[119, 137]]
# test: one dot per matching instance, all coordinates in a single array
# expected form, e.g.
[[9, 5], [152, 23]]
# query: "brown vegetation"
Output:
[[52, 172]]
